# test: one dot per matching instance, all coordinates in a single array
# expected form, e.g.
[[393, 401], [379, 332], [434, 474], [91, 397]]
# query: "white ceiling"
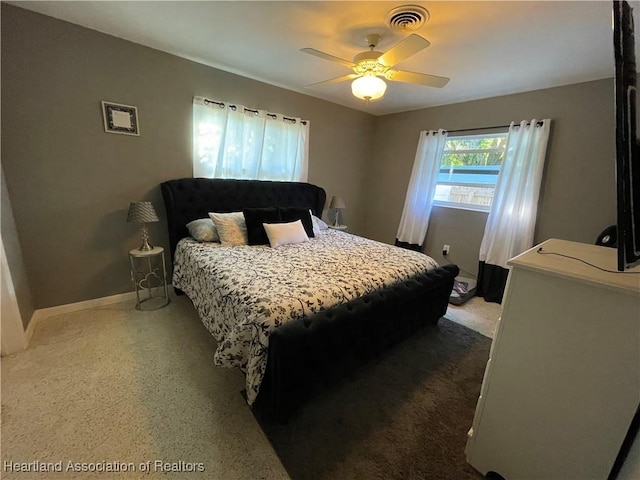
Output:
[[487, 48]]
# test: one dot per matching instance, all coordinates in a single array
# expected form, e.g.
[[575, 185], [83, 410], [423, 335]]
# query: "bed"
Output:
[[299, 318]]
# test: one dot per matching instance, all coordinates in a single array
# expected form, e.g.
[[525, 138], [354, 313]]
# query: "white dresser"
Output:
[[562, 383]]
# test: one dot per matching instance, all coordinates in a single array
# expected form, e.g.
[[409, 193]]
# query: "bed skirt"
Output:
[[313, 353]]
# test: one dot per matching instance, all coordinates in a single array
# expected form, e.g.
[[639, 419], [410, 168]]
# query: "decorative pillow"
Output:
[[203, 230], [254, 218], [285, 233], [291, 214], [318, 225], [231, 227]]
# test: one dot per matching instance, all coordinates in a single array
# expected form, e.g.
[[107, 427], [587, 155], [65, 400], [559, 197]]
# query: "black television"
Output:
[[627, 148]]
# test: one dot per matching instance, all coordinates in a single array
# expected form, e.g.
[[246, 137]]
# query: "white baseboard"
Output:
[[44, 313]]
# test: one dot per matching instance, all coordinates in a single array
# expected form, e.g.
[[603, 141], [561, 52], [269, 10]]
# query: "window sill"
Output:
[[463, 206]]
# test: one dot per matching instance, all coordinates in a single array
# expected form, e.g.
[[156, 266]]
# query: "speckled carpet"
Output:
[[112, 385], [404, 417], [112, 393]]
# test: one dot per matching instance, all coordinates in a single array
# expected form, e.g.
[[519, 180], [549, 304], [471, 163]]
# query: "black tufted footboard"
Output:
[[313, 353]]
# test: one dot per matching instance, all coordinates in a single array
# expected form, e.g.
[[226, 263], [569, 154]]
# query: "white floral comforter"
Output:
[[243, 292]]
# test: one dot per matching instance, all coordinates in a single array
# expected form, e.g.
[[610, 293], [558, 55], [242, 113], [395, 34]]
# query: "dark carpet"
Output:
[[405, 416]]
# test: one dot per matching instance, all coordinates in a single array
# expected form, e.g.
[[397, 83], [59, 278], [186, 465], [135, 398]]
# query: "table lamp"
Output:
[[337, 203], [143, 213]]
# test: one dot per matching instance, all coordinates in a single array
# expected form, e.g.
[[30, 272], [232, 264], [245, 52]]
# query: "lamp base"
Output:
[[145, 247]]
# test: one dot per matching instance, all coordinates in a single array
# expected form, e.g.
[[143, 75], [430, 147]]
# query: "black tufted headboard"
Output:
[[187, 199]]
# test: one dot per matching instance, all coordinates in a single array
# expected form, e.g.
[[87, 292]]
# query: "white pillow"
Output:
[[285, 233], [318, 225], [203, 230], [231, 227]]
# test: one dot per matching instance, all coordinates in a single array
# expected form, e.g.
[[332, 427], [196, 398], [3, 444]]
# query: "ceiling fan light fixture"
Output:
[[368, 87]]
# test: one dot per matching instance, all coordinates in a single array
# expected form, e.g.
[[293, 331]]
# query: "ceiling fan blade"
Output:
[[351, 76], [417, 78], [404, 49], [326, 56]]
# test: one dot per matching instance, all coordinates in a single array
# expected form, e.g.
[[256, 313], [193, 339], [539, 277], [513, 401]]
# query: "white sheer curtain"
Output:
[[232, 141], [422, 186], [511, 222]]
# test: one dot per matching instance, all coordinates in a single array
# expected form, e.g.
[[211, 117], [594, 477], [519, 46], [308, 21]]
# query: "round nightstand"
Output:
[[149, 277], [338, 227]]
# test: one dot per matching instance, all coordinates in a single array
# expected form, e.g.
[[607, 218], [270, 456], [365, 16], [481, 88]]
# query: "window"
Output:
[[469, 169], [232, 141]]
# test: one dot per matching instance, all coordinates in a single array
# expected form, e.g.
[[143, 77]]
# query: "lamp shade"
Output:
[[368, 87], [337, 202], [142, 212]]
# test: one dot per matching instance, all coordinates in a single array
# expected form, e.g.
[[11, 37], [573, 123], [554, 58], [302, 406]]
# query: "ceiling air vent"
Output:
[[407, 17]]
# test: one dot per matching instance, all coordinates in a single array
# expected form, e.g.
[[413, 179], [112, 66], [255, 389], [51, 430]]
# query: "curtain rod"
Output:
[[234, 107], [538, 124]]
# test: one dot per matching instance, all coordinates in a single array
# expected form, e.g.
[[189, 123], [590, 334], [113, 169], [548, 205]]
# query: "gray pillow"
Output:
[[318, 224], [203, 230], [231, 227]]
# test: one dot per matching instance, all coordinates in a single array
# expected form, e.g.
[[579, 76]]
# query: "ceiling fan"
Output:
[[369, 66]]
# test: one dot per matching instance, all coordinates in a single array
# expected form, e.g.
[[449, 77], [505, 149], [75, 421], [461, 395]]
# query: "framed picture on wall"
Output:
[[120, 118]]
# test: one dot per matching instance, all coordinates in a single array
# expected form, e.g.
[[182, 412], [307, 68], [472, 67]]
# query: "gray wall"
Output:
[[578, 189], [14, 255], [70, 183]]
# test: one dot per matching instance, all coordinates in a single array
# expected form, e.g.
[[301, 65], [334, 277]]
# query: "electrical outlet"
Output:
[[445, 250]]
